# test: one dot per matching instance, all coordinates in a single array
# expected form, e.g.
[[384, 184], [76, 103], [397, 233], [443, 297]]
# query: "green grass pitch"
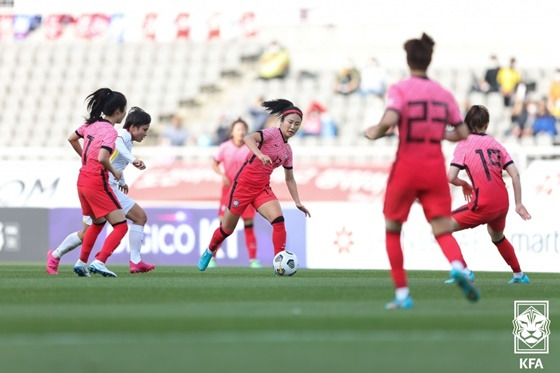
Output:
[[177, 319]]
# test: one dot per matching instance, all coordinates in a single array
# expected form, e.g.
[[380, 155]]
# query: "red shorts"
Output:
[[249, 212], [466, 218], [412, 179], [96, 202], [242, 196]]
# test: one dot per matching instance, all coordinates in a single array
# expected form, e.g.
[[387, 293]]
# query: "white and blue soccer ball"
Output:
[[285, 263]]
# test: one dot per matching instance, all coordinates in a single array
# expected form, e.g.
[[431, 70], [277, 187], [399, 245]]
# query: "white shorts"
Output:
[[125, 201]]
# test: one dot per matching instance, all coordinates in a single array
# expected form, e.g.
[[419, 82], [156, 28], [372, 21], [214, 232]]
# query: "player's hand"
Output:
[[124, 188], [226, 181], [139, 164], [117, 174], [522, 211], [302, 208], [265, 159], [467, 192]]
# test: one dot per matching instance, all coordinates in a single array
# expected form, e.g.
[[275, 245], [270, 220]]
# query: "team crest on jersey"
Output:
[[235, 203]]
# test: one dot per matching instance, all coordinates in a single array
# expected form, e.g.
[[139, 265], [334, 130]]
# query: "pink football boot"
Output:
[[52, 263], [141, 267]]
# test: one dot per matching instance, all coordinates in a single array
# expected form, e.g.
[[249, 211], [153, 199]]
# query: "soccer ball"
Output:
[[285, 263]]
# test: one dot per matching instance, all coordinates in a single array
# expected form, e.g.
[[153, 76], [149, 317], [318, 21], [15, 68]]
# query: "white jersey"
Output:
[[122, 155]]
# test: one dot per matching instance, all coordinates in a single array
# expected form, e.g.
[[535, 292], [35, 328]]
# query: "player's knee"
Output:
[[278, 220], [121, 227]]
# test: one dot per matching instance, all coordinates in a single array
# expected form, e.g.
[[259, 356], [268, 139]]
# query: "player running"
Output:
[[106, 108], [484, 158], [421, 108], [269, 149], [231, 155], [135, 128]]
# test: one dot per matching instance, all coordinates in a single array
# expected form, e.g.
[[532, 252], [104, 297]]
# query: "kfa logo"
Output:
[[531, 326]]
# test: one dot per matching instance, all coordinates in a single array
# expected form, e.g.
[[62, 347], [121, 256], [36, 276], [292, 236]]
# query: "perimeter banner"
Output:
[[177, 236]]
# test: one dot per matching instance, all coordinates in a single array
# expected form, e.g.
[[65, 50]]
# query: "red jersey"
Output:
[[425, 109], [231, 157], [273, 144], [97, 135], [484, 158]]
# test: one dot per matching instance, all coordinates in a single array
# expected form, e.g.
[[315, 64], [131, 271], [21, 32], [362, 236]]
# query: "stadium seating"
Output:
[[43, 86]]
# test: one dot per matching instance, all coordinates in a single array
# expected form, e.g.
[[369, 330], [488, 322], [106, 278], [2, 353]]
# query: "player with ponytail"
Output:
[[269, 149], [106, 108]]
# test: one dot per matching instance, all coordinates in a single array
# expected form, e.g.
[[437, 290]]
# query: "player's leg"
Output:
[[463, 218], [135, 236], [272, 212], [224, 198], [495, 230], [248, 217], [71, 241], [91, 234], [396, 260], [441, 227], [87, 245], [225, 229], [436, 203], [399, 197], [117, 219]]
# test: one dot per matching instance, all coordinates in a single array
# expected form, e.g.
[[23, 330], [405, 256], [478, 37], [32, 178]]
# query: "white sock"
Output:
[[135, 237], [402, 293], [456, 264], [466, 271], [518, 274], [70, 243]]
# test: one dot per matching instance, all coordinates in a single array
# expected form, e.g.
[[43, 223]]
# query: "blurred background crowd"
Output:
[[196, 67]]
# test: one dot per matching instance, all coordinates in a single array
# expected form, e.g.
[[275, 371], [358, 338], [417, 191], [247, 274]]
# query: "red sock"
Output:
[[450, 248], [396, 259], [112, 241], [89, 240], [278, 235], [508, 253], [220, 234], [251, 241]]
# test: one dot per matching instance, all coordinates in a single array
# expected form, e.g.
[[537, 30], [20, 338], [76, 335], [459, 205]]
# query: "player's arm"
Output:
[[123, 150], [74, 140], [292, 188], [217, 169], [513, 172], [104, 158], [251, 141], [453, 177], [458, 133], [389, 120]]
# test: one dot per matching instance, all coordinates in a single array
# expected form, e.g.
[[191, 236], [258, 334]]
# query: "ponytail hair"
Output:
[[136, 117], [419, 52], [477, 118], [281, 107], [104, 101]]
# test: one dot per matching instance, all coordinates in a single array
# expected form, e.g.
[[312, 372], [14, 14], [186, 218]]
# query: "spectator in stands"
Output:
[[274, 62], [508, 78], [347, 79], [318, 122], [174, 134], [373, 78], [554, 94], [259, 115], [545, 122], [522, 118], [490, 81]]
